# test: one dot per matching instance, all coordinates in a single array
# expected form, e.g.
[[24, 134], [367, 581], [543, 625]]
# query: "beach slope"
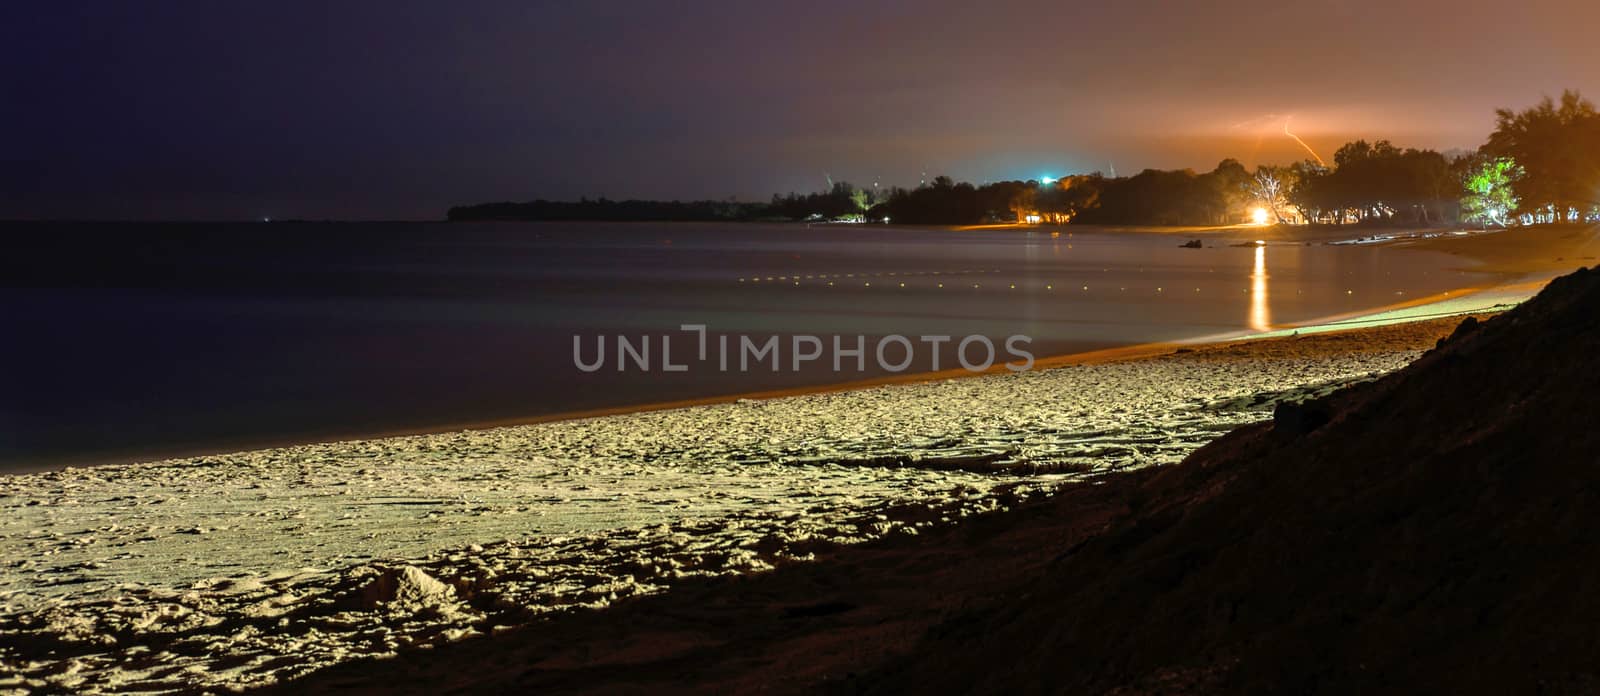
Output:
[[1430, 531], [1433, 531]]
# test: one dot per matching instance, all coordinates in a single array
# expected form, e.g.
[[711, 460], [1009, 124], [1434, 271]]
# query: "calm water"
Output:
[[138, 340]]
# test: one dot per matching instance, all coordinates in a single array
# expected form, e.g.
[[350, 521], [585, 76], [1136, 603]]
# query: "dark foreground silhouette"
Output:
[[1433, 531]]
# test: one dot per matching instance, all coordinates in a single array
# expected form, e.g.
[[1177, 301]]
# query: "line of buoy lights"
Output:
[[976, 286]]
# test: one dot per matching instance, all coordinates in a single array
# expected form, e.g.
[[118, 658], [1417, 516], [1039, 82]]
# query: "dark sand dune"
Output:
[[1439, 533], [1434, 531]]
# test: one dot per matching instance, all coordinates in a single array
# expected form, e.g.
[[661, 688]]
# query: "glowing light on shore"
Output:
[[1260, 312], [1259, 216]]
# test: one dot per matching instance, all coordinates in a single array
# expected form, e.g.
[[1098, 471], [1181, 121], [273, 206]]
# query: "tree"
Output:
[[1022, 202], [1428, 184], [1270, 187], [1558, 146], [1230, 183], [862, 199], [1490, 196], [1313, 193], [1376, 183], [1151, 197]]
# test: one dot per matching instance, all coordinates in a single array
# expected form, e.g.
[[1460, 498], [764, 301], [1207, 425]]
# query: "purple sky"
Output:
[[218, 109]]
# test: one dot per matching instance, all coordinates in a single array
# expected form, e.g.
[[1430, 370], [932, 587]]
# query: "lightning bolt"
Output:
[[1303, 144]]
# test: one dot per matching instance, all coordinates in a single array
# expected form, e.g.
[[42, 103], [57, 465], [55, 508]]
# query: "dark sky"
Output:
[[230, 110]]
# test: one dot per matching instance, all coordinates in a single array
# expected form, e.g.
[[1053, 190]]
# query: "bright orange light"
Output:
[[1260, 311], [1260, 216]]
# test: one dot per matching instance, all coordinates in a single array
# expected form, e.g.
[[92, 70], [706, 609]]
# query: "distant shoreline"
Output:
[[1503, 295], [1404, 312], [1521, 259]]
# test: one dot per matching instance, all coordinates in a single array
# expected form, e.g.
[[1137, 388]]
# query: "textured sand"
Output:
[[246, 569]]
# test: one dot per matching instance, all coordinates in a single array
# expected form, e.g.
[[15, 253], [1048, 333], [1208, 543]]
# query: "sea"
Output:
[[130, 341]]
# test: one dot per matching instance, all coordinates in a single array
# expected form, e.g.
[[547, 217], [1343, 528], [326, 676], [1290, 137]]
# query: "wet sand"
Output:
[[1547, 249], [251, 568]]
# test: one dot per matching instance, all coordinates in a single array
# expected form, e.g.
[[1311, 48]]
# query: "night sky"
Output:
[[345, 109]]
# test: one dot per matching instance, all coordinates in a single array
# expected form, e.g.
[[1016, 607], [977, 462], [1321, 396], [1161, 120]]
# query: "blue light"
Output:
[[1047, 180]]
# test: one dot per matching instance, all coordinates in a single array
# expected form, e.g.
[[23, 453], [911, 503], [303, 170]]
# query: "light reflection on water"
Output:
[[1260, 310], [331, 330]]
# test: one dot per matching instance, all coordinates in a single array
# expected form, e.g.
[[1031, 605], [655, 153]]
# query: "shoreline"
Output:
[[1223, 550], [1515, 279], [495, 529], [1506, 294], [1104, 355]]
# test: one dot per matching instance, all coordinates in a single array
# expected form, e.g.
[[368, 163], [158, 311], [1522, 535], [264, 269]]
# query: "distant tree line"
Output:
[[603, 209], [1539, 165], [1376, 183], [943, 201], [842, 200]]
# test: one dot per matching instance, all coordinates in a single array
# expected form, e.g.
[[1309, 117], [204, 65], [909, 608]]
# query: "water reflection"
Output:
[[1260, 313]]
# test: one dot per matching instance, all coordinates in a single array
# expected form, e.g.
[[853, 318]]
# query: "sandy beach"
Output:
[[248, 569]]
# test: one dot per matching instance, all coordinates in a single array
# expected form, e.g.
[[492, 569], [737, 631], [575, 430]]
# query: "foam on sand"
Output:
[[250, 568]]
